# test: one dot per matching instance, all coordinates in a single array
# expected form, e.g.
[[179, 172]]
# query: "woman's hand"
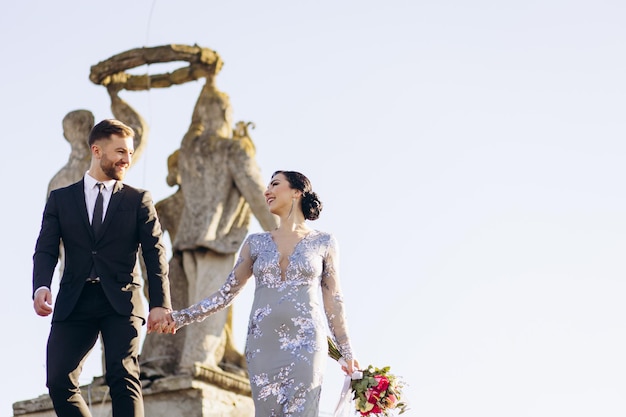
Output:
[[165, 325], [351, 366]]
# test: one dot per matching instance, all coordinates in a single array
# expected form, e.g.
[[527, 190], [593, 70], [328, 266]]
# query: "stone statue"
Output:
[[76, 127], [170, 208], [220, 187], [160, 355], [227, 189], [125, 113]]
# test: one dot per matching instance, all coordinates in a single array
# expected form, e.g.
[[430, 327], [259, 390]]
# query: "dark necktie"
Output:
[[96, 221]]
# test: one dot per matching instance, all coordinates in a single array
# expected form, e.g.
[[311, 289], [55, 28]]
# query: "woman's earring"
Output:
[[293, 202]]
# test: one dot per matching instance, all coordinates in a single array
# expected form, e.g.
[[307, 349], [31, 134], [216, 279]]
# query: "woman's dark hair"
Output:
[[310, 202]]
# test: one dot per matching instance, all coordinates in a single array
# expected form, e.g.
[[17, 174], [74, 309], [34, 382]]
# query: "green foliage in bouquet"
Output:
[[378, 392]]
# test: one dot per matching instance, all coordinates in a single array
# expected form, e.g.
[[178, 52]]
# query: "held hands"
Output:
[[160, 320]]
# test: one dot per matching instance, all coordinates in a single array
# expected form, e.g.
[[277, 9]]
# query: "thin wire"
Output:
[[150, 21], [149, 115]]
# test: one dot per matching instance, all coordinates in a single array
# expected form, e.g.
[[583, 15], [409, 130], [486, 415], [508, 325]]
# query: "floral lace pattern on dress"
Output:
[[286, 346]]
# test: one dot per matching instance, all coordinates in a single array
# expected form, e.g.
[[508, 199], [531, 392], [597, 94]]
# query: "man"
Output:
[[101, 223]]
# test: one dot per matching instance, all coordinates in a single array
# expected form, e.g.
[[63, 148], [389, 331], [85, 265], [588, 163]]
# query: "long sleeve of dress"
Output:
[[333, 300], [223, 297]]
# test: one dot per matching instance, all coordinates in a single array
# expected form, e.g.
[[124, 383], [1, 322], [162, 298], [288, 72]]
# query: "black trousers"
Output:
[[69, 344]]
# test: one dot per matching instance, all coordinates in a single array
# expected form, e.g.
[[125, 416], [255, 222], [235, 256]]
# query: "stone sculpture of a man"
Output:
[[222, 188]]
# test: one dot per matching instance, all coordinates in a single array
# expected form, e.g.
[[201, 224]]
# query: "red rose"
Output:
[[383, 383], [372, 396]]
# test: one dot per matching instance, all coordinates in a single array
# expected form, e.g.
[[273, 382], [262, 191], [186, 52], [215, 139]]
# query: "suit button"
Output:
[[93, 252]]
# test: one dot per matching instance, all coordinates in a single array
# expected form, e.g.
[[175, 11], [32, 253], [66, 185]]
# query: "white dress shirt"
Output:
[[91, 192]]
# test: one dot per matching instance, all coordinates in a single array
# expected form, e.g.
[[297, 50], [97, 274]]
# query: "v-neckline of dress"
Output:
[[283, 274]]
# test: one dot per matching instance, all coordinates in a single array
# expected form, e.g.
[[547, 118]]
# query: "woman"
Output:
[[286, 347]]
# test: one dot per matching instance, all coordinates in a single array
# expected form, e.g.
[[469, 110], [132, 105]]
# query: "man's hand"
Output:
[[42, 302], [160, 321]]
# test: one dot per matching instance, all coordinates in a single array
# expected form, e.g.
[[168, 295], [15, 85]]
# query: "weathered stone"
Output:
[[209, 394], [203, 62]]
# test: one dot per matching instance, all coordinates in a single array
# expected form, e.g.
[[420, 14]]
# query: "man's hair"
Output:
[[108, 127]]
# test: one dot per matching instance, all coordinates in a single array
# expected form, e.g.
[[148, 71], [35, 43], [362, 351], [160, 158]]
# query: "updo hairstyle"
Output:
[[310, 203]]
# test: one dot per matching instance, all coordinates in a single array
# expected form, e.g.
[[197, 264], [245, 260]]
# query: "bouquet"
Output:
[[375, 391]]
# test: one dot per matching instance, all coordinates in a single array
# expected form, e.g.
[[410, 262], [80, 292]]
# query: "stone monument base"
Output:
[[207, 393]]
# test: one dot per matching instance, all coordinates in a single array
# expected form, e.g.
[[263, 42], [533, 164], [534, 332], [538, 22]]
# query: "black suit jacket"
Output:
[[131, 220]]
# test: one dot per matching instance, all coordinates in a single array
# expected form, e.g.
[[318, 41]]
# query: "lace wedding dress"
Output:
[[286, 347]]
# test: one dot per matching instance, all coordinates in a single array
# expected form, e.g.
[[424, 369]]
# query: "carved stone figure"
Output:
[[76, 127], [227, 189], [125, 113], [160, 355], [221, 188]]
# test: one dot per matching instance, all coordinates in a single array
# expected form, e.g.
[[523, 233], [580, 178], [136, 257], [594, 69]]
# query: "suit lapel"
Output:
[[116, 198], [79, 196]]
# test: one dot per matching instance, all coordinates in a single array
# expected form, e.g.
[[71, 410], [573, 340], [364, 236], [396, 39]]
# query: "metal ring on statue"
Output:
[[203, 62]]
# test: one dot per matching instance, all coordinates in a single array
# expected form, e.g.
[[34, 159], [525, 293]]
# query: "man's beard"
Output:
[[109, 169]]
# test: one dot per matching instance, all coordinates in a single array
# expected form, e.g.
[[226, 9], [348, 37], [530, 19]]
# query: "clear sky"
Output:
[[470, 156]]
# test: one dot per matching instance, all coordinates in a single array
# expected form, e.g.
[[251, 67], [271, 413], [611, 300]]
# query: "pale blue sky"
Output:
[[470, 156]]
